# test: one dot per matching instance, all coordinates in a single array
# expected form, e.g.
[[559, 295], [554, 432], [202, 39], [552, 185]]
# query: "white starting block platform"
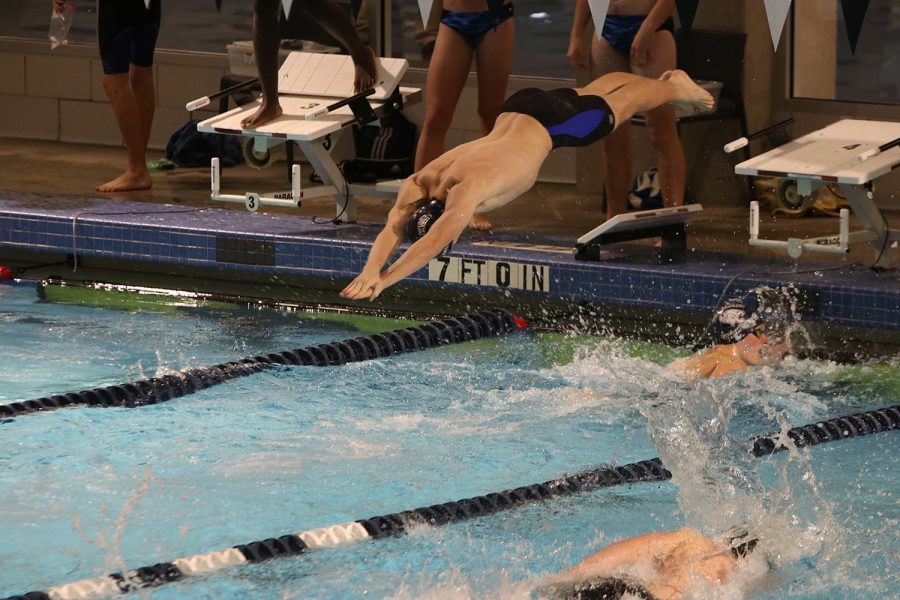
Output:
[[317, 100], [844, 153], [331, 75], [665, 223]]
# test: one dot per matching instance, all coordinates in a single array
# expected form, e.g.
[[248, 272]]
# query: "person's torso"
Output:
[[630, 7]]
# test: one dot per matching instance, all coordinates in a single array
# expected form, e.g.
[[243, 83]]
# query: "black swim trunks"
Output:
[[570, 119], [127, 32]]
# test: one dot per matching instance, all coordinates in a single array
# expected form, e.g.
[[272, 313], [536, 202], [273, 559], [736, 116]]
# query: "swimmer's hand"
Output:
[[366, 285]]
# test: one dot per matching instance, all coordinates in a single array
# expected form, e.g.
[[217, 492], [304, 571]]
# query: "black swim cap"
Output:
[[422, 220], [736, 319], [773, 307]]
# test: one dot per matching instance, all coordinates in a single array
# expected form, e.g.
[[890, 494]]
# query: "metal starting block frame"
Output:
[[316, 96], [850, 153], [665, 223]]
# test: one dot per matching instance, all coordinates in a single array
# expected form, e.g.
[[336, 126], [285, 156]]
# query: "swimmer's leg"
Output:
[[133, 98], [629, 94]]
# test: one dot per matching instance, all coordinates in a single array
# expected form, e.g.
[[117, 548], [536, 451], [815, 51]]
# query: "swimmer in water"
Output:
[[436, 204], [655, 566], [738, 332], [267, 39]]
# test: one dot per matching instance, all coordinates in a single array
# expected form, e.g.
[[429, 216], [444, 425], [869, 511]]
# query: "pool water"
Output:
[[89, 491]]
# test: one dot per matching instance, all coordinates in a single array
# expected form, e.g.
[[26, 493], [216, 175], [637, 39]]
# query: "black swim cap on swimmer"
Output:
[[422, 220], [737, 318]]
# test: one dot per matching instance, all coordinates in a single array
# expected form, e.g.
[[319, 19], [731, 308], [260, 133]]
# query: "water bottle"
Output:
[[60, 22]]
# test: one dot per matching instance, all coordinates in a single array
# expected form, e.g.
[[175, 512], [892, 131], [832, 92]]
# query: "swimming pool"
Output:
[[89, 491]]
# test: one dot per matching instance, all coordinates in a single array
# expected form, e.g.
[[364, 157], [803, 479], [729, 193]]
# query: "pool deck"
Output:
[[49, 213]]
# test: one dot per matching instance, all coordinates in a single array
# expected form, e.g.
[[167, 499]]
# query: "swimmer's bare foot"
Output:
[[127, 182], [366, 69], [689, 95], [266, 113], [480, 223]]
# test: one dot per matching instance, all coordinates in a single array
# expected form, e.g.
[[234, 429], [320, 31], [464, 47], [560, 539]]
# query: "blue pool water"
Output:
[[85, 492]]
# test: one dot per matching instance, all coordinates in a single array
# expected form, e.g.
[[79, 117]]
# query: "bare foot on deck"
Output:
[[480, 223], [266, 113], [691, 96], [128, 181], [366, 70]]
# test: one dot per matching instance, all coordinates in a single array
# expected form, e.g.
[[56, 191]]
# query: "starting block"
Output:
[[849, 153], [318, 103], [665, 223]]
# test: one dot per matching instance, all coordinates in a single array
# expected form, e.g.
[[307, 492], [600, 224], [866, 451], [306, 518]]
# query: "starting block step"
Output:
[[665, 223]]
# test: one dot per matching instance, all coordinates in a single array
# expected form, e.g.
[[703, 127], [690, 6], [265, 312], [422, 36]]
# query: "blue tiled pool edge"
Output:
[[292, 245]]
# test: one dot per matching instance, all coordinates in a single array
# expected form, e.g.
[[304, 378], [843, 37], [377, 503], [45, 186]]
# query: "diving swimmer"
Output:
[[489, 172]]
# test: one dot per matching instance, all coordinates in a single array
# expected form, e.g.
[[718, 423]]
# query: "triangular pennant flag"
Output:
[[777, 12], [286, 4], [854, 13], [598, 12], [425, 9], [687, 9]]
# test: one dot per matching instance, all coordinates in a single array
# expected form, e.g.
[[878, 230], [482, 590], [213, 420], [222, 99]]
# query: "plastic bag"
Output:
[[60, 22]]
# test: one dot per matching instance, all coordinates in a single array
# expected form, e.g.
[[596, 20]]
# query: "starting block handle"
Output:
[[361, 108], [743, 141], [735, 145], [876, 151], [205, 100]]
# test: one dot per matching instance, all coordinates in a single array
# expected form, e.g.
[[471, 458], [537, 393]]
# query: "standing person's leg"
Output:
[[493, 63], [266, 41], [617, 145], [447, 75], [128, 116], [335, 20], [127, 32], [661, 123]]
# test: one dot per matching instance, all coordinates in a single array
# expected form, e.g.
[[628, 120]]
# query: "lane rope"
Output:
[[840, 428], [154, 390]]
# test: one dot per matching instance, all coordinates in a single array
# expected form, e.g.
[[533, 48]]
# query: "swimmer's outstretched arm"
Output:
[[386, 243], [461, 202], [445, 230]]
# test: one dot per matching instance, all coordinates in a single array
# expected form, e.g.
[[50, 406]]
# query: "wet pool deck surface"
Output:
[[48, 207]]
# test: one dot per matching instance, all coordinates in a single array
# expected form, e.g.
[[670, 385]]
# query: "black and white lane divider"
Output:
[[154, 390], [875, 421]]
